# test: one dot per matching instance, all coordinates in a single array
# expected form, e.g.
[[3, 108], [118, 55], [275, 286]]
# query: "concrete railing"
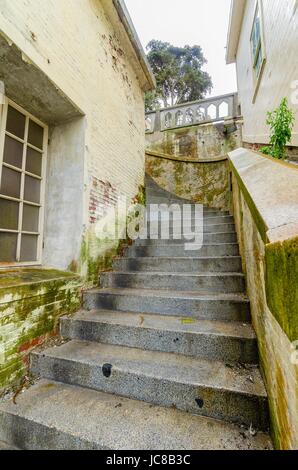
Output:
[[196, 112], [265, 208]]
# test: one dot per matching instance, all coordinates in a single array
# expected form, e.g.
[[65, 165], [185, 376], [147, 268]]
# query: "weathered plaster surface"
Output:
[[64, 194], [204, 183], [271, 276], [90, 70], [200, 142], [191, 162]]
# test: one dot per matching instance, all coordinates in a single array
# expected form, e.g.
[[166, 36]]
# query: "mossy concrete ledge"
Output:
[[265, 207], [31, 303], [270, 189]]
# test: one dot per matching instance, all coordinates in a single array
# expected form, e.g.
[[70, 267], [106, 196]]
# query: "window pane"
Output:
[[13, 152], [8, 247], [29, 248], [15, 123], [30, 218], [35, 136], [32, 189], [33, 161], [10, 182], [9, 214], [259, 61]]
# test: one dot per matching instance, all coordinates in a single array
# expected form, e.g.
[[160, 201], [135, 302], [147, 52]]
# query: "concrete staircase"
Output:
[[163, 356]]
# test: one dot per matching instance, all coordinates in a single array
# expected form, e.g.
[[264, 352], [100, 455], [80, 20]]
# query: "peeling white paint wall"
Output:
[[75, 45], [280, 26], [64, 194]]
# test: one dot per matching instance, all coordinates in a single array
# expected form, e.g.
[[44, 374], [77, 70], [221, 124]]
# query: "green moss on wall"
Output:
[[282, 285], [31, 303]]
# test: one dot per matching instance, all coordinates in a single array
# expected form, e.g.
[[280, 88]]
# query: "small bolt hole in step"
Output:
[[107, 370], [200, 402]]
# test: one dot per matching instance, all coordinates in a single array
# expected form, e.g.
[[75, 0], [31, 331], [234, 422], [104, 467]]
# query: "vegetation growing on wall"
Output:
[[281, 123], [281, 284]]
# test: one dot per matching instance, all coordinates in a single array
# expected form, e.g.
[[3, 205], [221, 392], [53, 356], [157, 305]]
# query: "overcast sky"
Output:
[[181, 22]]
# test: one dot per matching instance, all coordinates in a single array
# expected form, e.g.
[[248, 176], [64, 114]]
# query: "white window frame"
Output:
[[3, 117], [257, 77]]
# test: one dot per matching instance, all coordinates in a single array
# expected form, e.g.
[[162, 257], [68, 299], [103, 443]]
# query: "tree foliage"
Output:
[[179, 75], [281, 123]]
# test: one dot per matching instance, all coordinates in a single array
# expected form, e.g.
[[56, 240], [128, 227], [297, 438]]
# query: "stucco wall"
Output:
[[280, 25], [203, 183], [198, 142], [191, 162], [64, 194], [265, 217], [96, 69]]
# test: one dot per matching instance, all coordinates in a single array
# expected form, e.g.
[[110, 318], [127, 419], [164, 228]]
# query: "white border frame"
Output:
[[3, 118]]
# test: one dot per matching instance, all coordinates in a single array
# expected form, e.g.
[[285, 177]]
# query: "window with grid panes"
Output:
[[256, 42], [23, 145]]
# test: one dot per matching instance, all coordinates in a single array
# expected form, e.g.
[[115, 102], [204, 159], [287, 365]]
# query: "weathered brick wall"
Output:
[[94, 65]]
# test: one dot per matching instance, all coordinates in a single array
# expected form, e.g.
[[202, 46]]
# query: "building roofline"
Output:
[[135, 42], [235, 23]]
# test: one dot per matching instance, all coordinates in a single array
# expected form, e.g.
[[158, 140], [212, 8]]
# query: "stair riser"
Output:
[[193, 308], [208, 346], [207, 215], [210, 238], [175, 265], [180, 220], [220, 404], [154, 230], [171, 250], [214, 284], [31, 435], [209, 219]]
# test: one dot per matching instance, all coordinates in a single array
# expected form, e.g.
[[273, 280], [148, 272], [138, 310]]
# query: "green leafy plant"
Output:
[[281, 122]]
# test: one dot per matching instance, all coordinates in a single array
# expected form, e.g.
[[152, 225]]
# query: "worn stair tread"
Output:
[[170, 242], [163, 366], [178, 274], [70, 417], [167, 323], [6, 446], [187, 295], [179, 258]]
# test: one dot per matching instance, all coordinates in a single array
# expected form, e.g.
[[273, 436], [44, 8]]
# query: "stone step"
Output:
[[184, 264], [56, 416], [198, 282], [158, 199], [225, 341], [156, 218], [5, 446], [189, 233], [208, 238], [195, 385], [161, 248], [223, 307]]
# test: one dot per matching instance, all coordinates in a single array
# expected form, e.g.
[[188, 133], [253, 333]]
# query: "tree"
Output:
[[178, 72]]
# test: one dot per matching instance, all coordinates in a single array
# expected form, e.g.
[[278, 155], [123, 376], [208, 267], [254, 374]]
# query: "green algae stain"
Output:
[[282, 285]]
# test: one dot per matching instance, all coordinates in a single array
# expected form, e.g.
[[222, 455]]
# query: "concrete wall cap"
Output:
[[273, 187]]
